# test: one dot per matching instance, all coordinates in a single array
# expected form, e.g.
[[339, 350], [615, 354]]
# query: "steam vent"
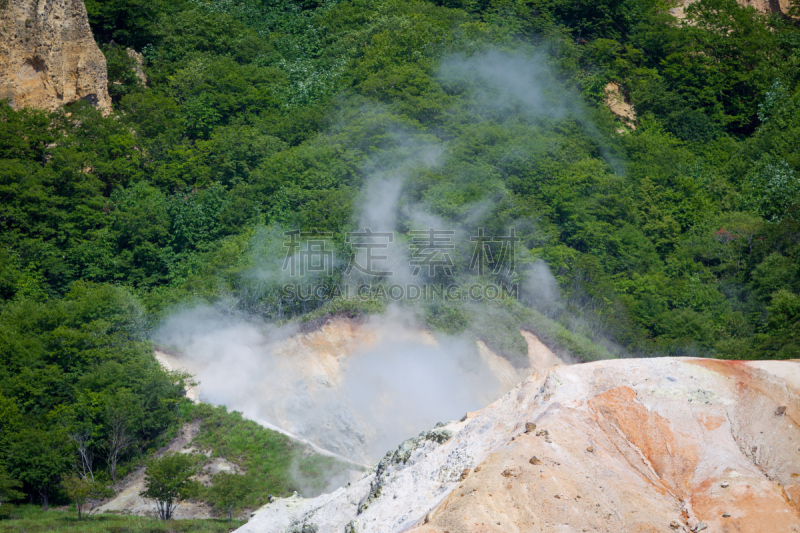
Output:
[[48, 56], [639, 446]]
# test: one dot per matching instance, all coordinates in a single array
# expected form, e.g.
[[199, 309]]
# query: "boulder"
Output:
[[620, 106]]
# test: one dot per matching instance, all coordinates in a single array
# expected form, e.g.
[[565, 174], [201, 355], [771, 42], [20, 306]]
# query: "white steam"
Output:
[[355, 390], [502, 81], [512, 83], [359, 390]]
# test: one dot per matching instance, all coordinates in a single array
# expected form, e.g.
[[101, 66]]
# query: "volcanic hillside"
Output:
[[300, 385], [640, 446]]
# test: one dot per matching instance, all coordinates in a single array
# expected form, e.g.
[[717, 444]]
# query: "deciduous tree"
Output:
[[168, 480], [82, 489]]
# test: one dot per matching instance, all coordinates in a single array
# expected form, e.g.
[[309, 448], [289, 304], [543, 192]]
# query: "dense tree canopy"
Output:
[[678, 237]]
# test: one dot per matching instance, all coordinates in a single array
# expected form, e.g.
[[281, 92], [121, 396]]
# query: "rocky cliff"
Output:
[[48, 56], [769, 6], [620, 106], [636, 446]]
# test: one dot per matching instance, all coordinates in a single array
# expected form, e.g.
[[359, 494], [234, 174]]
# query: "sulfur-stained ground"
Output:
[[639, 446]]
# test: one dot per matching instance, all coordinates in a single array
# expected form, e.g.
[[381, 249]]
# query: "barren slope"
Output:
[[778, 7], [640, 446]]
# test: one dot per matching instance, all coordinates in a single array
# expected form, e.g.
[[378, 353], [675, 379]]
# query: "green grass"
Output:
[[273, 463], [32, 519]]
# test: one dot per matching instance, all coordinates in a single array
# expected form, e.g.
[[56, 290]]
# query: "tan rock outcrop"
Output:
[[48, 56], [139, 67], [765, 6], [768, 6], [657, 445], [619, 105]]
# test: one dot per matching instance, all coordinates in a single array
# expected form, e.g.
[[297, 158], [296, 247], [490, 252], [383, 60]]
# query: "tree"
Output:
[[168, 480], [82, 437], [782, 337], [8, 487], [125, 21], [122, 76], [120, 436], [229, 490], [38, 458], [9, 417], [78, 422], [772, 189], [82, 489]]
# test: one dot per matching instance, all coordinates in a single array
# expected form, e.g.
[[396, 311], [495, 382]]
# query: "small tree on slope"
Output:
[[82, 489], [168, 480]]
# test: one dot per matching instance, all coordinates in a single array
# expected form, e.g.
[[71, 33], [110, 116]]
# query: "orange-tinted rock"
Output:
[[675, 443], [645, 438]]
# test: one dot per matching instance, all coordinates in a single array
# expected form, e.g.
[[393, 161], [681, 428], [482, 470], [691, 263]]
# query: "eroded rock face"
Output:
[[777, 7], [619, 104], [139, 67], [768, 6], [48, 56], [640, 446]]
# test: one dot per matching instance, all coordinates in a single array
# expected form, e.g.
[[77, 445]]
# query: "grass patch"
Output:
[[32, 519], [273, 463], [341, 307]]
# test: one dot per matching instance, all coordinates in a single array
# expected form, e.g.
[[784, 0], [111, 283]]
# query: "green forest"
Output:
[[677, 234]]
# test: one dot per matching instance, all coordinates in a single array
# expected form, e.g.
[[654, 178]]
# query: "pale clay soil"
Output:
[[640, 446]]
